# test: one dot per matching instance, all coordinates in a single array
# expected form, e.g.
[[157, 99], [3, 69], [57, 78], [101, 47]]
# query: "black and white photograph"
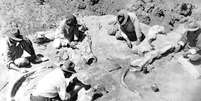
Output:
[[100, 50]]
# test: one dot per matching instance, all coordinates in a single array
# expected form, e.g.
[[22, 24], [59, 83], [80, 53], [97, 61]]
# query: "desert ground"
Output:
[[173, 81]]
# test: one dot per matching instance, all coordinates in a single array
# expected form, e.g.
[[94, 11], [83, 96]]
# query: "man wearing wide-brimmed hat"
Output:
[[69, 32], [53, 86], [130, 27], [15, 45], [191, 41]]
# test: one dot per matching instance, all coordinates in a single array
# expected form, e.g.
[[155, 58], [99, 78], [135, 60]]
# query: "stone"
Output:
[[112, 30], [193, 70], [22, 62], [56, 43]]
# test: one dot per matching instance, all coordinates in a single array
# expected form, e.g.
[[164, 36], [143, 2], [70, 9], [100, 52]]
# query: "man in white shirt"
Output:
[[54, 84]]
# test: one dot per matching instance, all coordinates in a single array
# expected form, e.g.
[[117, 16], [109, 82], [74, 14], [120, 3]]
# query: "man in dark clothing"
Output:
[[130, 27], [191, 42], [15, 45], [59, 85], [68, 33]]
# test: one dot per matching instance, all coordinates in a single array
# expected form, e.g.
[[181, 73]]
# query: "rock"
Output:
[[138, 6], [146, 46], [63, 55], [145, 19], [119, 36], [41, 2], [81, 6], [159, 12], [84, 95], [184, 9], [149, 7], [40, 38], [56, 44], [112, 30], [155, 88], [193, 70], [154, 30], [22, 62], [93, 2]]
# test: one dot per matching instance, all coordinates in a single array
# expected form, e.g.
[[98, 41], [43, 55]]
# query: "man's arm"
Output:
[[136, 23], [126, 38], [181, 43], [9, 62], [62, 91]]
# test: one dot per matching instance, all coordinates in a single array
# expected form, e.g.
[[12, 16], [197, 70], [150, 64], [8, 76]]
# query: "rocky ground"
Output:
[[173, 82]]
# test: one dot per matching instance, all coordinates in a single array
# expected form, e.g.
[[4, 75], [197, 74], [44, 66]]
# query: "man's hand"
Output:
[[137, 42], [67, 96], [14, 67], [129, 44], [177, 47], [64, 43], [192, 51], [189, 53], [83, 28], [73, 44]]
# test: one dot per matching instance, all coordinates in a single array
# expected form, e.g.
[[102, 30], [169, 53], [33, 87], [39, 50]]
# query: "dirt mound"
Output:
[[37, 15], [162, 12]]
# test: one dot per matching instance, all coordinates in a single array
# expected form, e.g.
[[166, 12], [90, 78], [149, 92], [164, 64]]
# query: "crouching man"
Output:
[[15, 45], [54, 85], [130, 27], [68, 33], [191, 42]]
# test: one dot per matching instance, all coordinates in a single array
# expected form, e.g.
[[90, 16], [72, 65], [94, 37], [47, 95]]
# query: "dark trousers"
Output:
[[28, 47]]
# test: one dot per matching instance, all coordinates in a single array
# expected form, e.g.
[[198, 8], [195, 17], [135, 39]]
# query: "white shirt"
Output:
[[53, 84]]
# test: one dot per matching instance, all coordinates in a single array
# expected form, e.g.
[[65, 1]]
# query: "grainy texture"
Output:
[[41, 15]]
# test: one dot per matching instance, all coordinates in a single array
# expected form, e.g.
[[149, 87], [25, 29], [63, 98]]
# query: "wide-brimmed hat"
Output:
[[122, 17], [68, 66], [71, 19], [192, 26], [13, 32]]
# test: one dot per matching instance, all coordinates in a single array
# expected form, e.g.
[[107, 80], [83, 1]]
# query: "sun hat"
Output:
[[71, 19], [122, 17]]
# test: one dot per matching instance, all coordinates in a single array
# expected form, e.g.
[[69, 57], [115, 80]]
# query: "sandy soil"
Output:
[[174, 83]]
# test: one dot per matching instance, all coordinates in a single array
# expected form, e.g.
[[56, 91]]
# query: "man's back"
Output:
[[193, 38], [51, 84]]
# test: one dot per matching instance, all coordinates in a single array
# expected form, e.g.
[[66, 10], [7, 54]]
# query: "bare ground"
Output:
[[174, 83]]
